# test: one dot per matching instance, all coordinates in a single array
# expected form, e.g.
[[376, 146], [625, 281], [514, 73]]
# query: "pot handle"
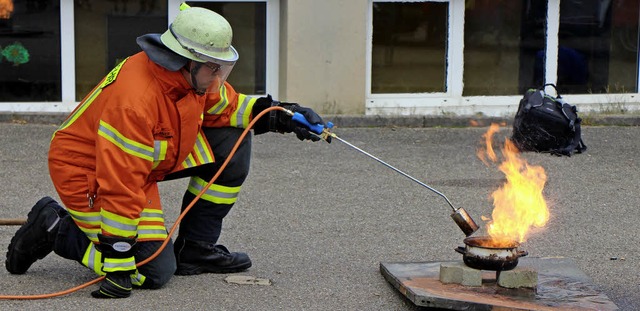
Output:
[[461, 249], [522, 253]]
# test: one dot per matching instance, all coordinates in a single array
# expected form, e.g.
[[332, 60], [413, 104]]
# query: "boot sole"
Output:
[[31, 217], [189, 269]]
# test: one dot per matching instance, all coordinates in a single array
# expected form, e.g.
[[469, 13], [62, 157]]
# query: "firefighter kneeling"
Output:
[[161, 114]]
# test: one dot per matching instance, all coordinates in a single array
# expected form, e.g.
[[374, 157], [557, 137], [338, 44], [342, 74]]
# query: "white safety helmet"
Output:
[[201, 35]]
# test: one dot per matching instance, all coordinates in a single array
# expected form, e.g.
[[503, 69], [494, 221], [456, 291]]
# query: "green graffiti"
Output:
[[16, 53]]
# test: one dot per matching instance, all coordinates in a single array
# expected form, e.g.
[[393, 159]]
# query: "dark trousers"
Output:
[[203, 222]]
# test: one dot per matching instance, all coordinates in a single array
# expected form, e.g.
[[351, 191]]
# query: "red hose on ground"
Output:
[[173, 228]]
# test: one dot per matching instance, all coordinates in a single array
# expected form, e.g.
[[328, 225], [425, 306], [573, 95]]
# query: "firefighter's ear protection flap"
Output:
[[159, 53]]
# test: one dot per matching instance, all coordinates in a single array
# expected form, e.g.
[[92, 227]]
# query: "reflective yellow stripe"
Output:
[[152, 215], [91, 218], [222, 103], [119, 264], [189, 161], [90, 223], [216, 193], [80, 110], [117, 225], [127, 145], [159, 152], [201, 153], [151, 225], [202, 150], [92, 259], [151, 232], [241, 116], [113, 74], [137, 278]]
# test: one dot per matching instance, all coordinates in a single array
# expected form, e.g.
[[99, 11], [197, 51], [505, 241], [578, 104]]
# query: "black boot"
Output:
[[196, 257], [35, 239]]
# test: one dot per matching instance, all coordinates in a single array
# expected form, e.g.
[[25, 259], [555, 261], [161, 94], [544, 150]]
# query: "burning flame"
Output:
[[518, 204], [488, 136], [6, 8]]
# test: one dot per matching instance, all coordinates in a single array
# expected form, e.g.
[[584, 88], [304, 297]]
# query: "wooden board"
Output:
[[561, 286]]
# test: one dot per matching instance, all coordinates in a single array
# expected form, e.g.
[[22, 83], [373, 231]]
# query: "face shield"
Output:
[[219, 74], [213, 64], [209, 77]]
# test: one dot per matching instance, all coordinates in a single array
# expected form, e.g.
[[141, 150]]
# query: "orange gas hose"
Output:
[[173, 228]]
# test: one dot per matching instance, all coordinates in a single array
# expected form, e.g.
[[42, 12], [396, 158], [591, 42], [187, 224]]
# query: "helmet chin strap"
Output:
[[193, 72]]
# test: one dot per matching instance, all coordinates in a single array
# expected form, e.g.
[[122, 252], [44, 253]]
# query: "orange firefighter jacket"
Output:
[[139, 124]]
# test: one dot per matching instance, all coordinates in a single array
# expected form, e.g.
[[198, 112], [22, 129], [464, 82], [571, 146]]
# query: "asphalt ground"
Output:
[[317, 219]]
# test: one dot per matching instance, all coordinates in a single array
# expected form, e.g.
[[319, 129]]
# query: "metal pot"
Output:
[[480, 253]]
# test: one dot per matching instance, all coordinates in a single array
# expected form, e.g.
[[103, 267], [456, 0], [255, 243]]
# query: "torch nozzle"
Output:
[[464, 221]]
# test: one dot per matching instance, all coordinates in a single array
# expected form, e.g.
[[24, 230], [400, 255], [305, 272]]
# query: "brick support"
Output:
[[518, 278], [459, 273]]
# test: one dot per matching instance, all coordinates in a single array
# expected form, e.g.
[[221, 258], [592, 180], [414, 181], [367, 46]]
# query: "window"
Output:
[[409, 47], [30, 51], [503, 41], [598, 46]]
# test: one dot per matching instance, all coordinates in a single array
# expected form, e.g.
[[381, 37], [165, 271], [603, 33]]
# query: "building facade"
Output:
[[355, 57]]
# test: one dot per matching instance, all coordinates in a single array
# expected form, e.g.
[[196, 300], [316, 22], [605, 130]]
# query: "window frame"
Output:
[[420, 103]]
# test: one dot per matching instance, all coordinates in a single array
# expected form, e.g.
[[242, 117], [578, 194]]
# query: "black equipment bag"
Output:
[[545, 123]]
